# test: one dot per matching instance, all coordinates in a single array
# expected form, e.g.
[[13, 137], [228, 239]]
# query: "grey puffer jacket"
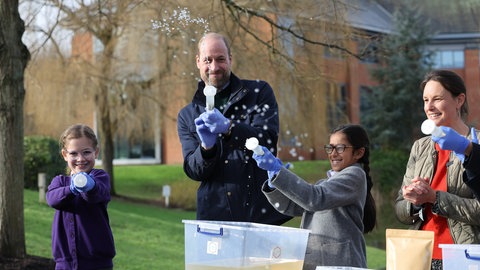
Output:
[[332, 209], [458, 204]]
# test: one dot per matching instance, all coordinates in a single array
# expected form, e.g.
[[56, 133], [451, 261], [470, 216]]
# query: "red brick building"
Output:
[[456, 46]]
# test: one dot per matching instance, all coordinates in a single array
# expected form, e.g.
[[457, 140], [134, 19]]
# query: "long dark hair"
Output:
[[358, 137]]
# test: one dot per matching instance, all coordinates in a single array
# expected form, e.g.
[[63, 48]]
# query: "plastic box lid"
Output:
[[242, 244], [460, 256]]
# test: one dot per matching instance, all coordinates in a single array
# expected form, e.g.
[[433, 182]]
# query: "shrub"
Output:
[[388, 168], [42, 154]]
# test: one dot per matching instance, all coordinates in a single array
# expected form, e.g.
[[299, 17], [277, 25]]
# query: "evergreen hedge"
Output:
[[42, 155]]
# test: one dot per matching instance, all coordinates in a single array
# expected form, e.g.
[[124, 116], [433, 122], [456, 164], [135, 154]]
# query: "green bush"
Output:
[[388, 168], [42, 154]]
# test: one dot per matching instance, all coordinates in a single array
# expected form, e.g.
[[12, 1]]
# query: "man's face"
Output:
[[214, 62]]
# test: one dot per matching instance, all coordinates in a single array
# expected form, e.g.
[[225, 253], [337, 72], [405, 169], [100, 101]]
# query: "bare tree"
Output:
[[282, 41], [287, 42], [106, 22], [14, 57]]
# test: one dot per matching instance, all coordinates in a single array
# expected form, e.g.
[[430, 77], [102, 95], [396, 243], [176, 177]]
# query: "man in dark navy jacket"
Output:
[[468, 152], [213, 140]]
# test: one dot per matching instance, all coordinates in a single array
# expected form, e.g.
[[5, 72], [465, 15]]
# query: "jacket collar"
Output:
[[235, 85]]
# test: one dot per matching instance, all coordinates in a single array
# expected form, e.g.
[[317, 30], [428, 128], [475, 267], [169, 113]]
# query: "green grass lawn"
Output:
[[149, 236]]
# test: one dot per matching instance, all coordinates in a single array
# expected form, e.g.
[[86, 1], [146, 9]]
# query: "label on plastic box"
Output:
[[213, 246], [276, 252]]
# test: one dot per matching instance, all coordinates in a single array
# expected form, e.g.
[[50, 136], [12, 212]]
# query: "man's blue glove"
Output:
[[83, 182], [215, 121], [208, 138], [474, 136], [268, 162], [452, 141], [72, 187]]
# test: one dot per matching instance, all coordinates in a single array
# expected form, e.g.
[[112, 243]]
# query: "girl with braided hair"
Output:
[[339, 209]]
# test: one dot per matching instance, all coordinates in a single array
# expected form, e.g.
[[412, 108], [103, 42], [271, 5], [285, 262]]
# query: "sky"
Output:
[[39, 20]]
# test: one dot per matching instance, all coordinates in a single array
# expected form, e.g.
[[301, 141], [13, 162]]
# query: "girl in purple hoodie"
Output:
[[81, 234]]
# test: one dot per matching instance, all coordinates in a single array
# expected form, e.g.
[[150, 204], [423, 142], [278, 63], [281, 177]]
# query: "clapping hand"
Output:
[[215, 121], [208, 138], [452, 141], [418, 191]]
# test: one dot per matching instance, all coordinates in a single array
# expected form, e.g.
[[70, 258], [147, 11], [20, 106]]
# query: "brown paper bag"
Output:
[[409, 249]]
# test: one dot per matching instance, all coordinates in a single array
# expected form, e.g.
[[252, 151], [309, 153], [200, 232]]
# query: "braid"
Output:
[[358, 137], [370, 211]]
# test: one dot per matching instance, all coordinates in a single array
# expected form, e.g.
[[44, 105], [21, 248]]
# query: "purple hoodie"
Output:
[[81, 233]]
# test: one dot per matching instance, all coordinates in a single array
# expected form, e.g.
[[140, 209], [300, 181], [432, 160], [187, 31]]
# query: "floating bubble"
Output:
[[179, 19]]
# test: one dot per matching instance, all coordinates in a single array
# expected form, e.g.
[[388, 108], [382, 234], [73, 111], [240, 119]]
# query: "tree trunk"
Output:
[[106, 135], [106, 127], [14, 57]]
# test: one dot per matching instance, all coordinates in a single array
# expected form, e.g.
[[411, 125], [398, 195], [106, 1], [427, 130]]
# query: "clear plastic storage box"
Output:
[[217, 245], [457, 256]]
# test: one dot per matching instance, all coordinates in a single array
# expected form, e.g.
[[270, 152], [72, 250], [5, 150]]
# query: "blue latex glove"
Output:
[[208, 138], [72, 187], [474, 136], [88, 186], [215, 121], [268, 162], [452, 141]]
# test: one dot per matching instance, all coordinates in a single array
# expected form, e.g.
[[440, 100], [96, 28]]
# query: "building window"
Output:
[[287, 39], [449, 59], [366, 104], [337, 105], [369, 54]]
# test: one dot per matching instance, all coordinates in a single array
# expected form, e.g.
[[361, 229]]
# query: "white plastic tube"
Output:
[[429, 127], [252, 144], [209, 92], [80, 180]]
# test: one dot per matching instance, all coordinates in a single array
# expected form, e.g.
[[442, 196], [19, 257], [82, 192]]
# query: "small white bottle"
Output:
[[252, 144], [80, 180], [429, 127], [209, 92]]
